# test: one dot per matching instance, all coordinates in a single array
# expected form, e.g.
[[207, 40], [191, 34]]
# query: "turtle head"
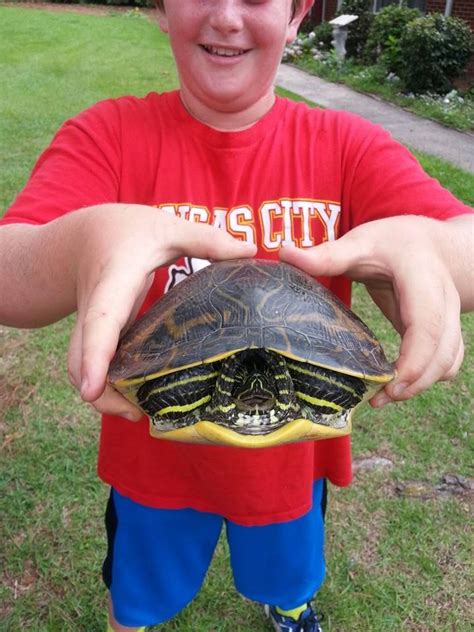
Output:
[[254, 390]]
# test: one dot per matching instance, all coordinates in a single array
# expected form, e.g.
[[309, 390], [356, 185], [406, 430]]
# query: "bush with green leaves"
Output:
[[323, 36], [383, 42], [358, 30], [434, 50]]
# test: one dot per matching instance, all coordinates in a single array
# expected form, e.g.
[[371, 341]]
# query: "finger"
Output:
[[74, 360], [430, 345], [107, 312], [139, 301], [454, 370], [327, 259], [111, 402], [205, 242], [443, 366], [384, 297]]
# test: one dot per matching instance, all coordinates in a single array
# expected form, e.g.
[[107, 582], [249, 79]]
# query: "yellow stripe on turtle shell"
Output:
[[383, 378], [178, 330], [125, 384], [186, 408]]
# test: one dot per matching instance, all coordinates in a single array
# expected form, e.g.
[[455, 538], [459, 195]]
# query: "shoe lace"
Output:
[[311, 622]]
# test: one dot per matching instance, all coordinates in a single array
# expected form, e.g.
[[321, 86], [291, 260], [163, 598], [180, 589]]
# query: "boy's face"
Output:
[[227, 52]]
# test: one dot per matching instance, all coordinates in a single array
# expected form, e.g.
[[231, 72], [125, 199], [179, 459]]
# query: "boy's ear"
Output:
[[162, 20], [301, 10]]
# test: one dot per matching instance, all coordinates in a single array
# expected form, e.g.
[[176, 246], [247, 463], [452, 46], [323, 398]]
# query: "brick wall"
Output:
[[461, 9], [331, 8], [316, 11], [435, 5]]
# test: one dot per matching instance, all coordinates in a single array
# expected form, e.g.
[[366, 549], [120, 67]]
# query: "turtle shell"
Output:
[[242, 304]]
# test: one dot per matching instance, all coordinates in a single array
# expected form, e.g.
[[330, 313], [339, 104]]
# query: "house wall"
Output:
[[331, 8], [461, 9], [316, 11]]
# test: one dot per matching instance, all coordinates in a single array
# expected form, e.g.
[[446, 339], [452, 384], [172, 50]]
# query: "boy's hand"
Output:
[[410, 266], [123, 245]]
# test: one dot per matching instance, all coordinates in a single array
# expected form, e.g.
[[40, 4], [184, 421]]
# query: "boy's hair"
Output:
[[294, 4]]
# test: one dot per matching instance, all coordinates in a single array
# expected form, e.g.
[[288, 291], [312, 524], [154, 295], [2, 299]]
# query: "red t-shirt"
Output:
[[298, 176]]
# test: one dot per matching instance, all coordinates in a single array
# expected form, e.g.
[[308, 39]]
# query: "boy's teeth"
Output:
[[225, 52]]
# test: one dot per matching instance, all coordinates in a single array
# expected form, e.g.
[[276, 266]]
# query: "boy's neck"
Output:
[[228, 121]]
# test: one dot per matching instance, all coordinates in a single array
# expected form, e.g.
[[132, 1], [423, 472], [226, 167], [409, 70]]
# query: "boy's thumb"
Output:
[[330, 258], [207, 242]]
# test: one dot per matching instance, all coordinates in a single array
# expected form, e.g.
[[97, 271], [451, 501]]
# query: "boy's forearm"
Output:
[[38, 267], [45, 271]]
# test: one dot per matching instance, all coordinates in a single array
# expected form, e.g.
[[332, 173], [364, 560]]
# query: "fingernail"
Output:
[[381, 400], [131, 416], [398, 389]]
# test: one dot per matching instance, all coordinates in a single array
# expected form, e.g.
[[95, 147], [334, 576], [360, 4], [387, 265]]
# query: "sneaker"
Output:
[[308, 621]]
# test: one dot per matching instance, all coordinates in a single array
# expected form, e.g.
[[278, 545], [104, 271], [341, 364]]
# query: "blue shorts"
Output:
[[157, 559]]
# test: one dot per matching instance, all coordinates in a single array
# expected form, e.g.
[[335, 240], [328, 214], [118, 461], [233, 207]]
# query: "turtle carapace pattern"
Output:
[[251, 353]]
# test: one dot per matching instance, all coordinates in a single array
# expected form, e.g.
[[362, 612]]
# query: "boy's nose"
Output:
[[226, 16]]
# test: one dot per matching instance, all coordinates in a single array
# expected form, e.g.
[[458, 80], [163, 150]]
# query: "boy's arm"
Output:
[[419, 272], [100, 262]]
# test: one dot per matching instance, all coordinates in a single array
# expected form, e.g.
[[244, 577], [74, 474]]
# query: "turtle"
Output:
[[249, 353]]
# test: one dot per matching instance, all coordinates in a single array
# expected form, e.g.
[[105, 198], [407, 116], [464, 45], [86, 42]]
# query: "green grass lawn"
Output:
[[394, 562]]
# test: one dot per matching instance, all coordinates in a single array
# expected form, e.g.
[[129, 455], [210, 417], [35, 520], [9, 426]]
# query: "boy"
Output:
[[223, 169]]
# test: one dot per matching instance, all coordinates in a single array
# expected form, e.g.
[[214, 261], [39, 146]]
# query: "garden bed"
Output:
[[455, 109]]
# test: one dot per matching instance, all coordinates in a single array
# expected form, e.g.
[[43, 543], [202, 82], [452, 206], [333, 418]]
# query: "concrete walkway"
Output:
[[411, 130]]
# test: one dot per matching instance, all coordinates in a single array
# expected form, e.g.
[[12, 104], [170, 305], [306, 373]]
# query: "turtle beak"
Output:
[[255, 395]]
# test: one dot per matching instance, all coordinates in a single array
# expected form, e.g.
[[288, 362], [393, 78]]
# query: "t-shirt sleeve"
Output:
[[81, 167], [382, 178]]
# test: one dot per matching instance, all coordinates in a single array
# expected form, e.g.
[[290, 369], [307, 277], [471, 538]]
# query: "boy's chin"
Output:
[[239, 108]]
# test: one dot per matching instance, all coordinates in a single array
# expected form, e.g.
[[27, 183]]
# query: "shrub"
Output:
[[358, 30], [434, 50], [323, 36], [384, 36]]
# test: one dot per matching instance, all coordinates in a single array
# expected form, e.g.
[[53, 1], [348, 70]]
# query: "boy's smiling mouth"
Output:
[[221, 51]]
